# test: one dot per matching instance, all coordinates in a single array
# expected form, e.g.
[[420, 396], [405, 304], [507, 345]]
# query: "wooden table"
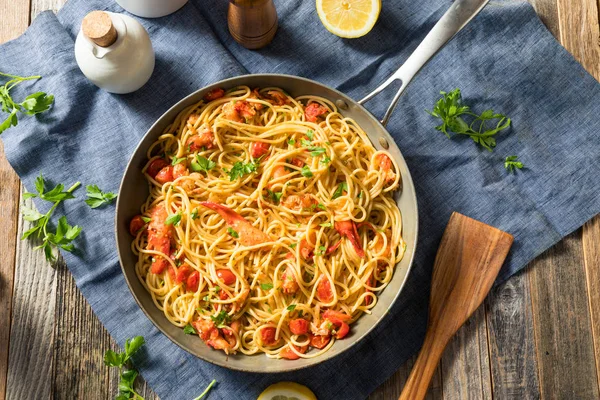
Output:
[[537, 336]]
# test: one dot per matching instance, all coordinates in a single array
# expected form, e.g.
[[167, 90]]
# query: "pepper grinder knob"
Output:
[[252, 23], [98, 27]]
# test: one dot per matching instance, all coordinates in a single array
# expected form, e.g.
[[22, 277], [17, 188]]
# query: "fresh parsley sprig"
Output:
[[510, 163], [451, 110], [65, 233], [97, 198], [121, 361], [33, 104], [240, 169]]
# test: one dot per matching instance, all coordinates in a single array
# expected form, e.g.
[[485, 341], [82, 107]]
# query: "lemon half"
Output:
[[349, 18], [287, 391]]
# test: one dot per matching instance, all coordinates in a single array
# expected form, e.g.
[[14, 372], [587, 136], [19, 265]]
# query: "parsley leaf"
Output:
[[310, 134], [291, 142], [189, 330], [274, 196], [510, 163], [120, 360], [240, 169], [202, 164], [210, 385], [326, 224], [321, 206], [266, 286], [450, 108], [64, 234], [340, 190], [293, 245], [194, 213], [97, 197], [325, 160], [173, 219], [33, 104], [221, 319], [233, 233], [177, 160], [306, 172], [291, 307]]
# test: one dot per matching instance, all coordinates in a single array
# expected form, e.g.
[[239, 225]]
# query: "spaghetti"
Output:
[[270, 226]]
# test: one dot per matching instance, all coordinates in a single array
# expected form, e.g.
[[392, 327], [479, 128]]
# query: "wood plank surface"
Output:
[[564, 346], [512, 354], [32, 327], [15, 19], [591, 258], [538, 335]]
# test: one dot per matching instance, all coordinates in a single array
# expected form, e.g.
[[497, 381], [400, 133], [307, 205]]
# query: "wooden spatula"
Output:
[[466, 265]]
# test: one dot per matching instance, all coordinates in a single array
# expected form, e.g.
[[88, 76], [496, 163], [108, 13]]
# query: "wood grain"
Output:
[[511, 340], [465, 362], [392, 388], [15, 19], [32, 327], [591, 258], [468, 259], [562, 327]]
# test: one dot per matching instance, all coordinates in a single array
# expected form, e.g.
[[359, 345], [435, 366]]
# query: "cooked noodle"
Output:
[[301, 207]]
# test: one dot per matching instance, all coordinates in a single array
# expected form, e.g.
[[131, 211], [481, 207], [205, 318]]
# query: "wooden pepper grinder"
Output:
[[252, 23]]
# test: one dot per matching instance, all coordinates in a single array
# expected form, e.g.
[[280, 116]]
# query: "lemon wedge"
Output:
[[287, 391], [349, 18]]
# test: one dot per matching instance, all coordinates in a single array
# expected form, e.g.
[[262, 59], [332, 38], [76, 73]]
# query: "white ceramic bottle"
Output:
[[114, 52], [151, 8]]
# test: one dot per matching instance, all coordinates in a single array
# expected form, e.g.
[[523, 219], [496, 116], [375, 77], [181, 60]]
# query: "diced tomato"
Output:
[[268, 336], [342, 330], [223, 295], [155, 166], [182, 273], [335, 316], [299, 326], [319, 341], [313, 111], [259, 149], [288, 354], [136, 224], [324, 292], [226, 276], [165, 175], [214, 94], [193, 281]]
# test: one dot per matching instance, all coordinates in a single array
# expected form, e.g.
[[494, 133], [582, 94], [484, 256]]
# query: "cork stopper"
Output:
[[98, 27]]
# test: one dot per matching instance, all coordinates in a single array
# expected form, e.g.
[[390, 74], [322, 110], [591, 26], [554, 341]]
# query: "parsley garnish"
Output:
[[310, 134], [233, 233], [291, 142], [189, 330], [321, 206], [240, 169], [210, 385], [33, 104], [450, 108], [326, 224], [340, 190], [325, 160], [173, 219], [146, 219], [293, 245], [275, 197], [65, 233], [360, 195], [510, 163], [202, 164], [194, 213], [306, 172], [120, 360], [322, 250], [177, 160], [221, 319], [291, 307], [266, 286], [97, 197]]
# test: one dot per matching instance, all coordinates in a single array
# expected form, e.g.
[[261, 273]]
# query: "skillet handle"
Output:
[[457, 17]]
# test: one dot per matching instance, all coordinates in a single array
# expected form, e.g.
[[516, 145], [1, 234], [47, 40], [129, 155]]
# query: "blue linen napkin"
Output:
[[505, 60]]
